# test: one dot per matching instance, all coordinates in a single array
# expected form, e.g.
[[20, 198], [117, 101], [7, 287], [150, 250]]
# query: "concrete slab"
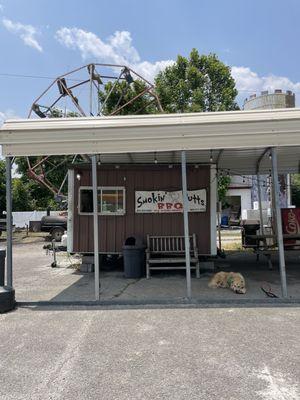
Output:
[[35, 280]]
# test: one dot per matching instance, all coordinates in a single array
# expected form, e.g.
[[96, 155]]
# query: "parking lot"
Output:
[[161, 353], [120, 351]]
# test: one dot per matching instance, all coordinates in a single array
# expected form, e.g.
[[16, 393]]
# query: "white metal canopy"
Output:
[[236, 140], [242, 134]]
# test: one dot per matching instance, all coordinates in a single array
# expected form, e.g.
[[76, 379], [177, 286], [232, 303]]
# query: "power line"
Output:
[[34, 77], [3, 74], [26, 76]]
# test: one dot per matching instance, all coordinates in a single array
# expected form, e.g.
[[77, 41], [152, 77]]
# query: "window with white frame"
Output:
[[111, 200]]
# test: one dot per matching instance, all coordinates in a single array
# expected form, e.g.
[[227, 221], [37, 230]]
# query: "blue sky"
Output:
[[258, 39]]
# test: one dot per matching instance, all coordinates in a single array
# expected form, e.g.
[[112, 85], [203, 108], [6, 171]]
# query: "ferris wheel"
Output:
[[92, 90]]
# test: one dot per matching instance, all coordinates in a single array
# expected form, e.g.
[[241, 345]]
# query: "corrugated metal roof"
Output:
[[242, 134]]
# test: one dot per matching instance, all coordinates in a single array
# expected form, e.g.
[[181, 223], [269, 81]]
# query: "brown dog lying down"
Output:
[[232, 280]]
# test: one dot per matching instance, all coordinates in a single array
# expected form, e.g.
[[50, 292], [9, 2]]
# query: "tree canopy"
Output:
[[117, 95], [27, 195], [54, 170], [295, 188], [196, 83]]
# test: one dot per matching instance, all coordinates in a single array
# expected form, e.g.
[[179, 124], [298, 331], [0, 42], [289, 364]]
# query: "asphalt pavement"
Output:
[[179, 353]]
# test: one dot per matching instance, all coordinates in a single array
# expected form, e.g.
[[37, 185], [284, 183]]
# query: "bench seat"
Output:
[[170, 260], [162, 250]]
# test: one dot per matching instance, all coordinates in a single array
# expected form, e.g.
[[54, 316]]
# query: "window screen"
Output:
[[111, 200]]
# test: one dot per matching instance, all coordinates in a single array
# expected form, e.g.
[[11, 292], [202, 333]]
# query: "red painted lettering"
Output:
[[178, 206]]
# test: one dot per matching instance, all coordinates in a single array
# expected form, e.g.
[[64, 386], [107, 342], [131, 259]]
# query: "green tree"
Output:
[[21, 194], [295, 186], [54, 170], [59, 113], [223, 185], [21, 200], [117, 95], [197, 83]]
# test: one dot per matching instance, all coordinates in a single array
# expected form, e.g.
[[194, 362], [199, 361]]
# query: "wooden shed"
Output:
[[139, 200]]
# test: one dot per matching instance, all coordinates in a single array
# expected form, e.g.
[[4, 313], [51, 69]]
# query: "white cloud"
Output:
[[149, 70], [248, 82], [26, 32], [117, 49], [121, 43], [7, 114]]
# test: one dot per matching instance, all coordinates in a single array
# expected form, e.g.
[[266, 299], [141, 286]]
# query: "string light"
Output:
[[211, 157], [155, 158], [264, 183]]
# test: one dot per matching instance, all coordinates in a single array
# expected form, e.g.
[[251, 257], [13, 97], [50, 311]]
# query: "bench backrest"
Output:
[[169, 244]]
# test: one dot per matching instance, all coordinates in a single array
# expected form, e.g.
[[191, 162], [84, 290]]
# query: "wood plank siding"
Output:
[[113, 230]]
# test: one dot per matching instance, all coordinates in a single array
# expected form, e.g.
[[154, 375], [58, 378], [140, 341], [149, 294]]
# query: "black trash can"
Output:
[[134, 257], [2, 266]]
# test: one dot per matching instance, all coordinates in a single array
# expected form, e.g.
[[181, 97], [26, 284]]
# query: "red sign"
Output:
[[291, 224]]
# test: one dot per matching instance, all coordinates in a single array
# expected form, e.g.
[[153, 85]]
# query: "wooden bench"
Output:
[[163, 250]]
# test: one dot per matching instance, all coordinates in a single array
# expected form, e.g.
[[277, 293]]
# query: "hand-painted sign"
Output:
[[166, 202]]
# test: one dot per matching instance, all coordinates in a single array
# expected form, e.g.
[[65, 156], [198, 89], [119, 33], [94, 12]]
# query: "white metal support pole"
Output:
[[260, 203], [95, 219], [288, 190], [278, 223], [9, 272], [186, 226]]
